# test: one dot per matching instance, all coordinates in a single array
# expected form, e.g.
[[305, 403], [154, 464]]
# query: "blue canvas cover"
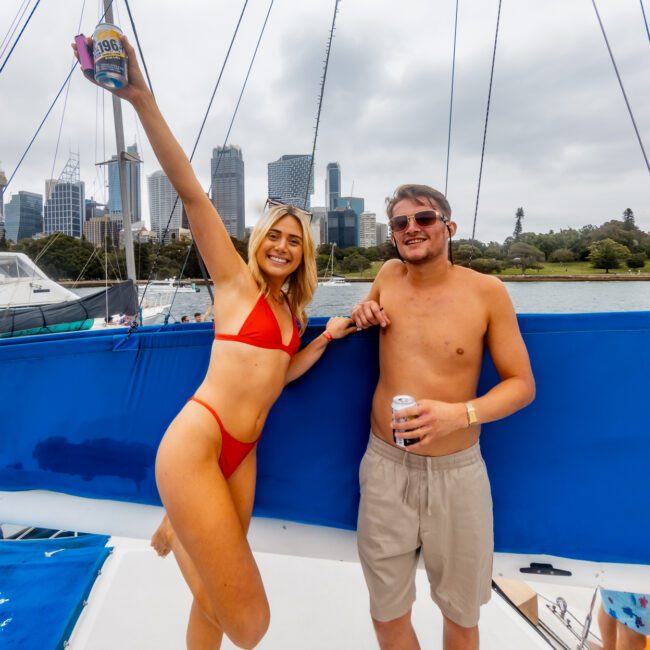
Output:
[[43, 586], [87, 411]]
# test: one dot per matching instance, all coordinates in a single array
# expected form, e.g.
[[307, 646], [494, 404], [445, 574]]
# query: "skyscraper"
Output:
[[24, 215], [162, 196], [288, 180], [319, 225], [343, 227], [356, 203], [332, 184], [133, 185], [64, 203], [3, 184], [382, 233], [367, 229], [227, 174]]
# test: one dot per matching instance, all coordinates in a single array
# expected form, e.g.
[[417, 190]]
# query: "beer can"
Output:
[[110, 57], [399, 403]]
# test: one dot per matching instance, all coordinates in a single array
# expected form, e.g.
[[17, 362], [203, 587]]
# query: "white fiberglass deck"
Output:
[[140, 601]]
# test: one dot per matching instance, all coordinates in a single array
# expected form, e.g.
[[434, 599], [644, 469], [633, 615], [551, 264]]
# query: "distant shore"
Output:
[[614, 277]]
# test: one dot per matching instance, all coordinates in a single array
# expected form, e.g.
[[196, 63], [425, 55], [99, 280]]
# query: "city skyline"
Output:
[[559, 142], [228, 176], [289, 174]]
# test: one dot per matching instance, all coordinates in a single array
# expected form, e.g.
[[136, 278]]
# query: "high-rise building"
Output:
[[367, 229], [94, 209], [332, 184], [3, 184], [162, 200], [382, 233], [104, 230], [355, 203], [288, 177], [24, 215], [319, 225], [343, 227], [133, 184], [227, 174], [64, 203]]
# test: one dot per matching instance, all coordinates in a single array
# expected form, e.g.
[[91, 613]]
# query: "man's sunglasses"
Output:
[[274, 203], [424, 219]]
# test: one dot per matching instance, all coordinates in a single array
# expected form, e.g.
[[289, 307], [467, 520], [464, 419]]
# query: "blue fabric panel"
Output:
[[92, 407], [41, 597]]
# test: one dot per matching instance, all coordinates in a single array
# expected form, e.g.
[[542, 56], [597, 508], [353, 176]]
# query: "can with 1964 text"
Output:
[[110, 57], [399, 403]]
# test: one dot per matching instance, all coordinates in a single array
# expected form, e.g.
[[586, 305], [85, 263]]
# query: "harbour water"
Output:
[[529, 297]]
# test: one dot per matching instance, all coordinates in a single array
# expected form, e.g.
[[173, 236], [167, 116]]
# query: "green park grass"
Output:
[[549, 269], [573, 268]]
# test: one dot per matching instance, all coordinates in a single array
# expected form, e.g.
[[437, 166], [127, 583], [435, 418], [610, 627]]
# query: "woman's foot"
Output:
[[163, 538]]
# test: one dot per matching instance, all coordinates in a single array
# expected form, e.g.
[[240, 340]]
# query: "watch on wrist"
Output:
[[472, 418]]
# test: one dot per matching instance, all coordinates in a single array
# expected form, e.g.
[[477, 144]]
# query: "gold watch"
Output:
[[472, 418]]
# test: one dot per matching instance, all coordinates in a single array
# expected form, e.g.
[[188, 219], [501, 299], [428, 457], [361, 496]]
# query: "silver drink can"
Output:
[[110, 57], [401, 402]]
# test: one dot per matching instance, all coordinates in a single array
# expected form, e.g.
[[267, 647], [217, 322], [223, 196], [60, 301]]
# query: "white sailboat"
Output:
[[329, 279]]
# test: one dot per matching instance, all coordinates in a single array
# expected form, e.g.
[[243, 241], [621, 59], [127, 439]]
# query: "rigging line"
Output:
[[83, 270], [13, 27], [320, 102], [451, 97], [137, 42], [49, 110], [198, 137], [40, 126], [214, 92], [645, 20], [232, 121], [620, 82], [13, 47], [487, 116], [46, 247], [65, 102]]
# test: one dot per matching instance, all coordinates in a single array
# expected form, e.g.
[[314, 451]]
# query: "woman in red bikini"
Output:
[[205, 468]]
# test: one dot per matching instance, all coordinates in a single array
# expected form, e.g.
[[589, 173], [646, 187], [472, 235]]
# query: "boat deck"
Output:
[[141, 601]]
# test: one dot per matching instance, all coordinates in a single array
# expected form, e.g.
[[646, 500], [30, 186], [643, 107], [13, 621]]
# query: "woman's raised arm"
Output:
[[212, 238]]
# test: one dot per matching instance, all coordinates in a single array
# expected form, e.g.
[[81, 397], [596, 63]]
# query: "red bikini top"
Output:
[[262, 330]]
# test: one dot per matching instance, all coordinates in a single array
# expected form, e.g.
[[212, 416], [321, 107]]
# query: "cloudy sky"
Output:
[[560, 142]]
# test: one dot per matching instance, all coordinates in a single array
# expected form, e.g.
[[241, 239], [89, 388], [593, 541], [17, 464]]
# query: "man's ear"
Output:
[[452, 226]]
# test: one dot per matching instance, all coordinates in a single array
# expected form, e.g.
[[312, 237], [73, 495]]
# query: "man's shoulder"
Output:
[[481, 281], [391, 269]]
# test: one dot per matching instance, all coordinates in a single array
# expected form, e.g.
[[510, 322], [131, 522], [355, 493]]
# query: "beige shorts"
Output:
[[437, 507]]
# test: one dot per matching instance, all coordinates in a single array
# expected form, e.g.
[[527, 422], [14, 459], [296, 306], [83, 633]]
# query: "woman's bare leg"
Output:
[[162, 539], [202, 632], [221, 570]]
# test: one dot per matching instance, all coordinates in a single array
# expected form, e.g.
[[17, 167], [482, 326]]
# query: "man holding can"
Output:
[[430, 496]]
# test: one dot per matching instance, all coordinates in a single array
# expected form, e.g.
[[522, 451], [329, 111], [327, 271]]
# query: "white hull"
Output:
[[59, 511]]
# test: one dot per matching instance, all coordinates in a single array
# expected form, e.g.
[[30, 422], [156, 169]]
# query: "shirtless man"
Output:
[[433, 497]]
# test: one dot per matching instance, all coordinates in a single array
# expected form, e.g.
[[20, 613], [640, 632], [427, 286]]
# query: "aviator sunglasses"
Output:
[[274, 203], [424, 219]]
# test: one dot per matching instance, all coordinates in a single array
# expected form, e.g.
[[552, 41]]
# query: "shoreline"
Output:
[[618, 277]]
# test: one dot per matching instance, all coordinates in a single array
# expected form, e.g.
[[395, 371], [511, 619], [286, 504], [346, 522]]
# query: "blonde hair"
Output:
[[301, 284]]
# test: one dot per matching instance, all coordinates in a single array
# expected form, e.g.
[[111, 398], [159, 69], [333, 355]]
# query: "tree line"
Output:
[[608, 246]]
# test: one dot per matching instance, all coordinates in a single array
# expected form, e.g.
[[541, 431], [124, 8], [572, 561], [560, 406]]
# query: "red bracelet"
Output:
[[328, 336]]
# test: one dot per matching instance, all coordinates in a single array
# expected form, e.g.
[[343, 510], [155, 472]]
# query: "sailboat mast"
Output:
[[121, 157]]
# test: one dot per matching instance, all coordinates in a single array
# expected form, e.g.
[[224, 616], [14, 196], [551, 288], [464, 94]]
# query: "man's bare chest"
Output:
[[442, 327]]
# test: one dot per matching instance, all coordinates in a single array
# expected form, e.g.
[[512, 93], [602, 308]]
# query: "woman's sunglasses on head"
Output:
[[274, 203], [424, 219]]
